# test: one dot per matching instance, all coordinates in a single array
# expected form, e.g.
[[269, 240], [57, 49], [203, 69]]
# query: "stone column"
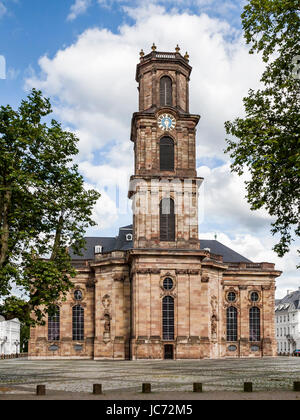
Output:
[[244, 322]]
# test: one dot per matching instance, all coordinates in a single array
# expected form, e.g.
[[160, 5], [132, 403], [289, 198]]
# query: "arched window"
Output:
[[167, 220], [78, 322], [168, 318], [54, 325], [231, 322], [165, 91], [254, 323], [166, 153]]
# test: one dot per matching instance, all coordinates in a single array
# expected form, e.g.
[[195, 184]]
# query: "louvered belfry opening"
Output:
[[167, 220], [165, 91], [166, 154]]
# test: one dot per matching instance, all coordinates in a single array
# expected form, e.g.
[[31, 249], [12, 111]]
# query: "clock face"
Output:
[[166, 122]]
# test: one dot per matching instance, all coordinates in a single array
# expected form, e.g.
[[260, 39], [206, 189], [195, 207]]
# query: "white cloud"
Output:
[[94, 77], [114, 183], [222, 202], [92, 83], [105, 212], [78, 8], [3, 9], [12, 73], [260, 250]]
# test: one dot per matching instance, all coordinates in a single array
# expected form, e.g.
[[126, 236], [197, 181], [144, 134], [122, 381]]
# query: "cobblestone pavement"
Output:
[[20, 376]]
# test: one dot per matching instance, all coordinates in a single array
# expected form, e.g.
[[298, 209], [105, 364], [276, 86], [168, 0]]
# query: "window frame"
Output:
[[254, 324], [166, 91], [168, 318], [77, 323], [169, 219], [231, 324], [166, 154], [54, 326]]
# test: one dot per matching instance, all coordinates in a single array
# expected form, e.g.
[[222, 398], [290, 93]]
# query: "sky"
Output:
[[83, 54]]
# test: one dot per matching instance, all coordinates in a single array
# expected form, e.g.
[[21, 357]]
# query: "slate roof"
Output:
[[291, 298], [88, 253], [120, 243], [228, 254]]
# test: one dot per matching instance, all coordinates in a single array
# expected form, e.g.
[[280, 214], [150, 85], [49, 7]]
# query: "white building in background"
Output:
[[9, 336], [287, 322]]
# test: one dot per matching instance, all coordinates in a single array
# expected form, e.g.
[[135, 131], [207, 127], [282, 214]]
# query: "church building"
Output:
[[157, 291]]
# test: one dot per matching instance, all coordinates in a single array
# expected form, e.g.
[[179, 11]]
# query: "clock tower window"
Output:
[[165, 91], [166, 150], [167, 220]]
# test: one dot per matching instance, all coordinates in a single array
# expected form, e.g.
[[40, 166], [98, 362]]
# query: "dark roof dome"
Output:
[[124, 242]]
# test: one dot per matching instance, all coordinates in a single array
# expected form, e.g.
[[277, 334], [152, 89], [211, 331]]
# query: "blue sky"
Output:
[[83, 53], [31, 28]]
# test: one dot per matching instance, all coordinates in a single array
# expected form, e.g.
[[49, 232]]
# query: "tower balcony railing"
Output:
[[161, 55], [166, 55]]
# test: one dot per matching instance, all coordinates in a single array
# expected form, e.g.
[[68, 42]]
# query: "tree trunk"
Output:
[[4, 228], [57, 237]]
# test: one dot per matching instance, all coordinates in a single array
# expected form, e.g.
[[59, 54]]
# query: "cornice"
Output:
[[154, 112]]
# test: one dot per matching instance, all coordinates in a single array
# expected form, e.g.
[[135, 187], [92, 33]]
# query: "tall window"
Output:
[[78, 322], [167, 220], [231, 321], [53, 326], [165, 91], [168, 318], [166, 153], [254, 323]]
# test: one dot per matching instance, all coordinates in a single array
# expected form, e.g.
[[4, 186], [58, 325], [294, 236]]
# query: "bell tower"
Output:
[[165, 185]]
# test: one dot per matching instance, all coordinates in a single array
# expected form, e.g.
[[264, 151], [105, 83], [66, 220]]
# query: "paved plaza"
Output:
[[169, 379]]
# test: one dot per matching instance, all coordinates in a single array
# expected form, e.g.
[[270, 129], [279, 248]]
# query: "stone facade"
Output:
[[152, 298], [287, 323]]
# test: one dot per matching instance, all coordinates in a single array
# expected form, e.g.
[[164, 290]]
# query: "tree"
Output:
[[269, 135], [44, 208], [24, 337]]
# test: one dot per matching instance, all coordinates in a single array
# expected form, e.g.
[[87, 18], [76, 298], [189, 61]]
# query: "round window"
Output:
[[168, 283], [232, 348], [254, 296], [78, 295], [231, 296]]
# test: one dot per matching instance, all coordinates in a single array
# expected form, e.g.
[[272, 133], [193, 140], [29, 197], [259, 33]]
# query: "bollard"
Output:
[[297, 386], [247, 386], [197, 387], [41, 390], [97, 389], [146, 388]]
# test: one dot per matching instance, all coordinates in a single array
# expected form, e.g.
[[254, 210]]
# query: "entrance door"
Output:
[[169, 351]]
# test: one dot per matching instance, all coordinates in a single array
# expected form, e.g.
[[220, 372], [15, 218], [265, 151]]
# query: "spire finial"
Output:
[[153, 47], [142, 53], [186, 56], [177, 49]]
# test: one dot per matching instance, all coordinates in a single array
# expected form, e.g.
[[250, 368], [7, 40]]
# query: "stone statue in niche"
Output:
[[107, 323], [214, 318], [106, 302], [106, 332], [213, 327]]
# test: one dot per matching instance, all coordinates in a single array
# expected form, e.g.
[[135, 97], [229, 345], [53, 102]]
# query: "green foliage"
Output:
[[44, 208], [268, 142], [24, 337]]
